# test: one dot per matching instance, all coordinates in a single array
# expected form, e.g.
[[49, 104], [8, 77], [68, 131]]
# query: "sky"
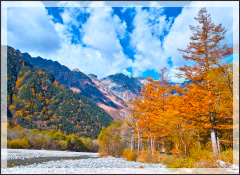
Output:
[[103, 40]]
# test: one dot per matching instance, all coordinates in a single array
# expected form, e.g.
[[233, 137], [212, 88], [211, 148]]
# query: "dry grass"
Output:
[[151, 157], [130, 156], [198, 158], [227, 156]]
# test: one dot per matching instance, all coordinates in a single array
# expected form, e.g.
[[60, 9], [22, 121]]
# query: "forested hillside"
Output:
[[37, 100], [75, 79]]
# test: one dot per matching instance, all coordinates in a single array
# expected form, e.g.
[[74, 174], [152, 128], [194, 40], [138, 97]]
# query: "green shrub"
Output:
[[48, 140], [110, 141]]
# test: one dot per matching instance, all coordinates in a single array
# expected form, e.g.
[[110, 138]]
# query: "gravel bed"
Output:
[[93, 163], [89, 166], [30, 153]]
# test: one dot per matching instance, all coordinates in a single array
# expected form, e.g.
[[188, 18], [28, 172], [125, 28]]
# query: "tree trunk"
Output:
[[153, 144], [199, 140], [218, 144], [163, 145], [138, 143], [184, 144], [149, 144], [214, 142], [132, 143], [138, 147]]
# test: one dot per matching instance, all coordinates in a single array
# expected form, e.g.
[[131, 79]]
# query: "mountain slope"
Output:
[[37, 100], [79, 82], [121, 111]]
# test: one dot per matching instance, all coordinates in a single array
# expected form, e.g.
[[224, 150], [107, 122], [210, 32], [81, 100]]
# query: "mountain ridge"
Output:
[[80, 83], [37, 101]]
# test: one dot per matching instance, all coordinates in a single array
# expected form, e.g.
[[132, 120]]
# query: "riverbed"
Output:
[[28, 161]]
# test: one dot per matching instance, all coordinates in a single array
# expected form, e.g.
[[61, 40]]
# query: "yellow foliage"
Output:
[[18, 143], [72, 134], [40, 72], [13, 97], [12, 107], [227, 156], [27, 117], [27, 112], [55, 116], [130, 156], [47, 101], [52, 99], [55, 83], [18, 82], [19, 113], [28, 105]]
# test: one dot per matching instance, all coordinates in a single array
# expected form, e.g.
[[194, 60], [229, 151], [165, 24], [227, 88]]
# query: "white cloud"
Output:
[[69, 4], [172, 74], [144, 38], [31, 29], [97, 4], [179, 34], [103, 54], [4, 6]]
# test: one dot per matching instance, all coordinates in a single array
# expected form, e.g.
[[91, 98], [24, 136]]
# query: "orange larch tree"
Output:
[[153, 107], [207, 52]]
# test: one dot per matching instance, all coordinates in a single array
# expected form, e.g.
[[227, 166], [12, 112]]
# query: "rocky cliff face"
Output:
[[125, 87], [121, 109]]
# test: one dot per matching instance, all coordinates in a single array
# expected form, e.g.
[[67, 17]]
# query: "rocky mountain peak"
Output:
[[76, 70], [92, 76]]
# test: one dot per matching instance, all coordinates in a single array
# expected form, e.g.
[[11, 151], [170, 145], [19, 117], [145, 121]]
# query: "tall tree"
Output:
[[207, 50]]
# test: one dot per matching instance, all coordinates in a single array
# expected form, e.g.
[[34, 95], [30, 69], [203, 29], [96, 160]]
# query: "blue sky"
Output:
[[127, 17], [103, 40]]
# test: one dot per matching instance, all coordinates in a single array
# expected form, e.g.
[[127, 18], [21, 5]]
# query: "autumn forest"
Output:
[[194, 123], [187, 126]]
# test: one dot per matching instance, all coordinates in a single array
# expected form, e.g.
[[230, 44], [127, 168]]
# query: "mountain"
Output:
[[111, 93], [80, 83], [36, 100], [123, 86], [122, 109]]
